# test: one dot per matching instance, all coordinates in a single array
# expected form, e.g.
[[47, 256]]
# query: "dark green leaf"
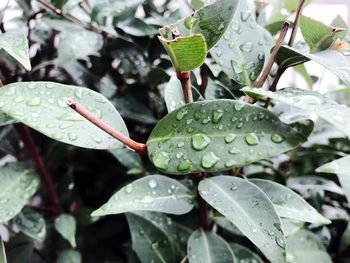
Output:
[[42, 106], [131, 160], [31, 224], [289, 204], [345, 239], [227, 225], [18, 184], [19, 249], [69, 256], [151, 193], [208, 247], [66, 225], [247, 207], [244, 255], [217, 135]]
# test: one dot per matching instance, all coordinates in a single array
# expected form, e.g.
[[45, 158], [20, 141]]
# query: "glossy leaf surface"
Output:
[[31, 224], [247, 207], [71, 256], [42, 106], [151, 193], [66, 225], [217, 135], [244, 255]]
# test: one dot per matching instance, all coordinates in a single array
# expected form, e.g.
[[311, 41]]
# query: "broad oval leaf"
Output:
[[3, 258], [18, 184], [42, 106], [173, 94], [248, 208], [306, 247], [208, 247], [211, 21], [186, 53], [150, 242], [289, 204], [16, 45], [340, 167], [66, 225], [151, 193], [31, 224], [217, 135], [244, 255], [240, 52], [69, 255], [312, 102]]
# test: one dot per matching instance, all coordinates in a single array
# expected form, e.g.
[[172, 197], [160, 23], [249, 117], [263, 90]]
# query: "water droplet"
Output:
[[79, 93], [238, 106], [209, 160], [252, 139], [280, 242], [57, 136], [200, 141], [180, 144], [155, 245], [230, 137], [161, 160], [245, 15], [184, 166], [260, 115], [152, 183], [235, 26], [217, 115], [234, 150], [197, 115], [181, 114], [246, 47], [234, 188], [129, 188], [230, 163], [32, 85], [276, 138], [239, 125], [18, 99], [206, 120], [261, 56], [34, 101], [72, 136]]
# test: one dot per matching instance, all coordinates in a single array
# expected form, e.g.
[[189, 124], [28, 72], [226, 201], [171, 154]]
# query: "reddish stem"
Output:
[[205, 221], [184, 77], [136, 146]]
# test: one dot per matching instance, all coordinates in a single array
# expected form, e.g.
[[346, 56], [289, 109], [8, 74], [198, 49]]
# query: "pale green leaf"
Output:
[[217, 135], [244, 255], [16, 45], [2, 252], [17, 185], [69, 256], [42, 106], [339, 22], [151, 193], [311, 102], [31, 224], [290, 226], [249, 209], [66, 225], [173, 94], [208, 247], [345, 239], [137, 27], [288, 204]]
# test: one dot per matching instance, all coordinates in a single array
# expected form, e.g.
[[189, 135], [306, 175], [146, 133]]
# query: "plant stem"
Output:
[[24, 134], [273, 55], [185, 80], [205, 222], [136, 146]]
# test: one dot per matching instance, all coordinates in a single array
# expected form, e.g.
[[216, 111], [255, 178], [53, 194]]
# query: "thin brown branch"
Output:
[[205, 221], [184, 260], [273, 55], [84, 6], [136, 146], [30, 147], [185, 80], [33, 17], [296, 22]]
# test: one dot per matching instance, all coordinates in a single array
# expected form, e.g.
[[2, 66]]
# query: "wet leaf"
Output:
[[186, 53], [244, 255], [70, 255], [18, 184], [211, 21], [2, 252], [217, 135], [240, 52], [42, 106], [306, 247], [340, 167], [208, 247], [288, 204], [311, 102], [248, 208], [290, 226], [227, 225], [66, 225], [151, 193], [16, 45], [137, 27], [173, 94], [31, 224]]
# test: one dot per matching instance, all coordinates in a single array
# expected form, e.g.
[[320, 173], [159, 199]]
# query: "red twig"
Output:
[[184, 77], [138, 147]]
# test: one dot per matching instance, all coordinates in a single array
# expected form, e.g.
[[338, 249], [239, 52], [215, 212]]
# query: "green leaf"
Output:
[[31, 224], [217, 135], [290, 226], [340, 167], [306, 247], [151, 193], [16, 45], [137, 27], [196, 4], [311, 102], [332, 60], [247, 207], [173, 94], [317, 35], [19, 249], [227, 225], [345, 239], [66, 225], [18, 184], [240, 52], [150, 242], [244, 255], [339, 22], [2, 252], [42, 106], [186, 53], [69, 255], [211, 21], [289, 204], [208, 247], [131, 160]]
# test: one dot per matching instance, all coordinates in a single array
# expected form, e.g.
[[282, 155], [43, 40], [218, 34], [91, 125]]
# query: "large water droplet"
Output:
[[234, 150], [200, 141], [276, 138], [230, 137], [252, 138], [34, 101], [246, 47], [238, 106], [181, 114], [79, 93], [209, 160], [230, 163], [72, 136], [18, 99], [129, 188], [161, 160], [217, 115], [184, 166], [280, 242], [152, 183]]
